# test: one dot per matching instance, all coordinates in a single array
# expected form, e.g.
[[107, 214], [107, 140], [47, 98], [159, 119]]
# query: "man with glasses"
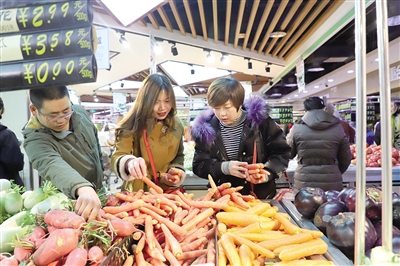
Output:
[[62, 144]]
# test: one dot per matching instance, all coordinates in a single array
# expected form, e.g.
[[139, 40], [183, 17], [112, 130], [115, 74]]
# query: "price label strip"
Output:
[[65, 14], [68, 42], [61, 71]]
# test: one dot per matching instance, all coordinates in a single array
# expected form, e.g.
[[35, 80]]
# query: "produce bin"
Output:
[[119, 254]]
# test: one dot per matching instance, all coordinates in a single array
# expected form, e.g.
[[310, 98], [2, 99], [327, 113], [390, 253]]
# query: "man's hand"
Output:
[[137, 168], [88, 203]]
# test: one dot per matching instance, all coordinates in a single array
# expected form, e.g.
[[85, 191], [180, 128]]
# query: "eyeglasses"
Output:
[[55, 119]]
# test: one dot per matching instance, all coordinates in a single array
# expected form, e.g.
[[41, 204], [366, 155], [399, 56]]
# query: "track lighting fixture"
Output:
[[122, 84], [192, 70], [210, 57], [249, 64], [174, 50], [109, 87], [122, 39], [224, 59], [95, 97], [271, 83], [267, 69]]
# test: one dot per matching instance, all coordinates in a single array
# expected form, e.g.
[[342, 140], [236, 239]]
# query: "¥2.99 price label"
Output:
[[48, 16], [68, 42], [64, 71]]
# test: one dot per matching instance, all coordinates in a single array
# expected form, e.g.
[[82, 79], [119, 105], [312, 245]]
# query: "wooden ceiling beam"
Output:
[[284, 24], [215, 20], [228, 20], [142, 22], [153, 21], [272, 25], [239, 22], [303, 27], [253, 13], [296, 23], [317, 24], [177, 17], [190, 18], [261, 24], [165, 19], [203, 19]]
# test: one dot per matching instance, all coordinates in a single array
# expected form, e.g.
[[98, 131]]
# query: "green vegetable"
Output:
[[13, 202], [34, 198], [52, 202], [15, 220], [2, 203], [7, 237], [4, 184]]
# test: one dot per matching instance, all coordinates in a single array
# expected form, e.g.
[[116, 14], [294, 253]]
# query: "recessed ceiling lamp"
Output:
[[174, 50], [122, 39], [350, 71], [277, 34], [330, 80], [315, 68], [224, 59]]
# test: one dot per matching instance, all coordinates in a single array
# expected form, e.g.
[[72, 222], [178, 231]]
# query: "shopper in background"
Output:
[[154, 111], [348, 130], [11, 158], [62, 144], [322, 148], [395, 122], [225, 136]]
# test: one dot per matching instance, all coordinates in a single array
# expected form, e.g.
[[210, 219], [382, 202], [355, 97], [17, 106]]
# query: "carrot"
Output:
[[232, 209], [306, 263], [138, 194], [156, 210], [264, 172], [293, 239], [139, 257], [152, 185], [171, 240], [269, 212], [253, 246], [122, 227], [214, 187], [236, 198], [210, 256], [221, 260], [314, 233], [263, 236], [140, 245], [58, 244], [230, 249], [201, 216], [279, 250], [249, 198], [179, 216], [126, 207], [129, 261], [254, 166], [109, 216], [63, 219], [315, 246], [240, 218], [134, 220], [288, 226], [194, 245], [245, 255], [181, 202], [77, 257], [164, 201], [156, 262], [203, 222], [149, 231], [155, 253], [259, 208], [256, 227], [173, 227], [173, 261], [201, 204], [121, 215], [192, 254], [125, 197], [192, 235]]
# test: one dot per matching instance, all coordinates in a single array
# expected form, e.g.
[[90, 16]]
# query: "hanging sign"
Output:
[[301, 82], [103, 49], [153, 43]]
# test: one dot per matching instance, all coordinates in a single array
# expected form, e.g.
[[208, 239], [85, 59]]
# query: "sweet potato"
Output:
[[63, 219], [58, 244], [77, 257], [122, 227], [95, 254], [21, 253], [9, 262]]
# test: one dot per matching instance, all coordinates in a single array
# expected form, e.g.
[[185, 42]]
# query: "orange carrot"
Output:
[[201, 216], [156, 210], [253, 246], [210, 256], [149, 231], [171, 240], [192, 213], [152, 185], [293, 239], [140, 244], [279, 250], [173, 227], [194, 245], [230, 249], [192, 254], [214, 187], [255, 171], [179, 216], [259, 208], [126, 207], [155, 253], [181, 202], [138, 194], [204, 222], [125, 197], [201, 204], [193, 234], [314, 233], [139, 257], [134, 220], [288, 226], [236, 198], [173, 261]]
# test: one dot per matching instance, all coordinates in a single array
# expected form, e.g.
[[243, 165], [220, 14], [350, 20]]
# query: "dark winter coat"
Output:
[[11, 158], [272, 149], [323, 151]]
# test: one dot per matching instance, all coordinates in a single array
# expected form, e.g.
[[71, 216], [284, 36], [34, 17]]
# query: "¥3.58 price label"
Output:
[[64, 71], [66, 42], [48, 16]]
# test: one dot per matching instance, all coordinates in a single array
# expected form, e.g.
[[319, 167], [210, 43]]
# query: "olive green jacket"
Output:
[[69, 159], [166, 148]]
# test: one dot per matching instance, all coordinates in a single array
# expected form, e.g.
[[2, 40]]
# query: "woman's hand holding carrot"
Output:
[[137, 168], [173, 177], [237, 168]]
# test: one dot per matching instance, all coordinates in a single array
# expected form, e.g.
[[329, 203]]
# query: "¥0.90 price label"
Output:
[[48, 16], [59, 43], [64, 71]]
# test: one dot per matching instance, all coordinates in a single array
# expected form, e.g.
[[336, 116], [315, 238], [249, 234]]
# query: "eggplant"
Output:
[[308, 200], [326, 211], [341, 232], [395, 243], [396, 212], [378, 229], [373, 203], [344, 192], [331, 194]]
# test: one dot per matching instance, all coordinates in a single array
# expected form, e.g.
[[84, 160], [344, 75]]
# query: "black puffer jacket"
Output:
[[272, 148], [11, 158], [323, 151]]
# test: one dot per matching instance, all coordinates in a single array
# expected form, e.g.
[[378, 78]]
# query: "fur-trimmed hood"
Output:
[[256, 108]]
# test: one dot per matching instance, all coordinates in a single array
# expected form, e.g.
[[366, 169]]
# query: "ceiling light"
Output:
[[174, 50], [95, 97], [315, 68], [122, 40], [157, 48], [249, 64], [122, 84], [277, 34], [330, 80], [316, 87], [350, 71], [271, 83], [304, 91], [296, 95], [377, 59], [210, 57], [283, 101], [224, 59]]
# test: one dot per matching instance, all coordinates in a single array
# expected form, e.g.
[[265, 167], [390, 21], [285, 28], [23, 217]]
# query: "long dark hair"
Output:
[[1, 107], [140, 116]]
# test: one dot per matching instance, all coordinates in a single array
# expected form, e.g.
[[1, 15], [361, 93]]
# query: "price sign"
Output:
[[62, 71], [66, 42], [43, 17], [282, 114]]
